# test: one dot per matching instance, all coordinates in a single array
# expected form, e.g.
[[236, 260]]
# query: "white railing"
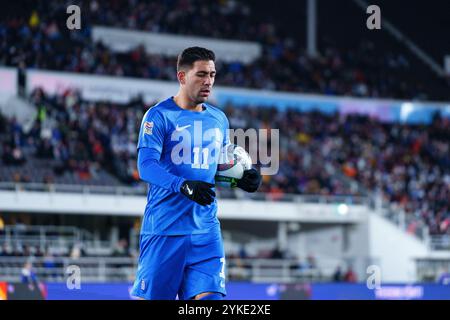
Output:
[[92, 269], [429, 270], [440, 242], [59, 238], [101, 269], [141, 189], [272, 270]]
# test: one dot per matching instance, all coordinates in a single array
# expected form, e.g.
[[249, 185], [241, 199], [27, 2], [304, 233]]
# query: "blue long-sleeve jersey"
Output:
[[177, 145]]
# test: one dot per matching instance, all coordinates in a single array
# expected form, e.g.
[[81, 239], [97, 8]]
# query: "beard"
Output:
[[200, 99]]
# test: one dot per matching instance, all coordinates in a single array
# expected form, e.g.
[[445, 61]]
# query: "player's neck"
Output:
[[185, 103]]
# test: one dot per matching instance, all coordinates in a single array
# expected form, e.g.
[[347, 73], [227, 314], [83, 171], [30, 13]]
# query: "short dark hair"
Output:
[[192, 54]]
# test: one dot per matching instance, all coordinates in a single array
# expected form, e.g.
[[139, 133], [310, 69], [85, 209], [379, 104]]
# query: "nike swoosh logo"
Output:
[[177, 128], [189, 191]]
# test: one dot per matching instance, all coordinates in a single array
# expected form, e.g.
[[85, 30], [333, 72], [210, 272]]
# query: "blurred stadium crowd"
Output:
[[73, 141], [94, 143], [39, 38]]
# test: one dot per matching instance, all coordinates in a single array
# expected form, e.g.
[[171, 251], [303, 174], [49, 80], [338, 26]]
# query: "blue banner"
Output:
[[269, 291]]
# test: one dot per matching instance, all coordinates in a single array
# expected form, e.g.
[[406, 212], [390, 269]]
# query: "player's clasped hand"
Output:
[[198, 191], [250, 181]]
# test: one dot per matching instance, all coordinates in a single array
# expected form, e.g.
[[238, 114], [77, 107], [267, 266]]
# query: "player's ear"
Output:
[[181, 75]]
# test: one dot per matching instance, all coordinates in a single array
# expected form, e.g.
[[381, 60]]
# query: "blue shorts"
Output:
[[184, 265]]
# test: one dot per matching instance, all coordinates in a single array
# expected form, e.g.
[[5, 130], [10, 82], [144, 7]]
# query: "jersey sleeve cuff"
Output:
[[178, 184]]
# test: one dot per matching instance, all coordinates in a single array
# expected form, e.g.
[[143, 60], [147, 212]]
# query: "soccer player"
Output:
[[181, 249]]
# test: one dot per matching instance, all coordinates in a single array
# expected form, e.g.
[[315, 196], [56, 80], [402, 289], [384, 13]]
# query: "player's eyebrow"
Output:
[[205, 72]]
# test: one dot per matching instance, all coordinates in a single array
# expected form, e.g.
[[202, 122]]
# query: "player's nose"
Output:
[[208, 81]]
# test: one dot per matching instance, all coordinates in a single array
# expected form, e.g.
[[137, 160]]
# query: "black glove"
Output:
[[198, 191], [250, 181]]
